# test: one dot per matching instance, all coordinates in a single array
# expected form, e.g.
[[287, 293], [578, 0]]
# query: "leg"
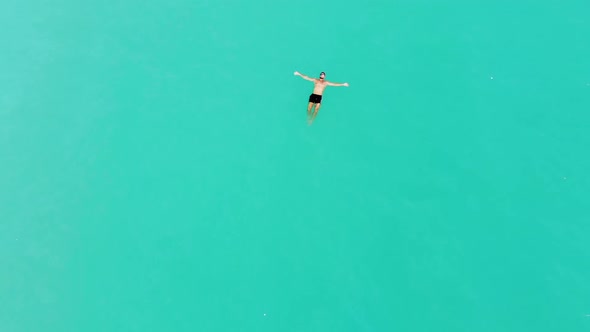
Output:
[[315, 113], [309, 107]]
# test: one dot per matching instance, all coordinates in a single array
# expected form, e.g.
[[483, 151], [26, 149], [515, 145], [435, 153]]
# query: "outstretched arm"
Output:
[[305, 77], [336, 84]]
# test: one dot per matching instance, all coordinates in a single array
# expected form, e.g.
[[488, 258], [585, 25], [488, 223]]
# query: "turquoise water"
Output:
[[158, 173]]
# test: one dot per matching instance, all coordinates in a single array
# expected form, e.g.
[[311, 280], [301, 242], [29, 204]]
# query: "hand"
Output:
[[345, 84], [296, 73]]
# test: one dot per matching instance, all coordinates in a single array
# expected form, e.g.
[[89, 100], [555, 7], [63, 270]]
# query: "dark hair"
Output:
[[322, 73]]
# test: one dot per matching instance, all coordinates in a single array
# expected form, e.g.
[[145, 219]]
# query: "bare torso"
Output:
[[319, 86]]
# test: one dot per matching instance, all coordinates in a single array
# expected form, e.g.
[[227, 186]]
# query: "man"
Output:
[[316, 97]]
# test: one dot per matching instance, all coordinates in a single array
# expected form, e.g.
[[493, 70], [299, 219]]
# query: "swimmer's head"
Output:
[[322, 75]]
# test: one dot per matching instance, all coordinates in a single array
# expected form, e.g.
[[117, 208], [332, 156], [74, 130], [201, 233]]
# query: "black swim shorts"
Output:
[[316, 99]]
